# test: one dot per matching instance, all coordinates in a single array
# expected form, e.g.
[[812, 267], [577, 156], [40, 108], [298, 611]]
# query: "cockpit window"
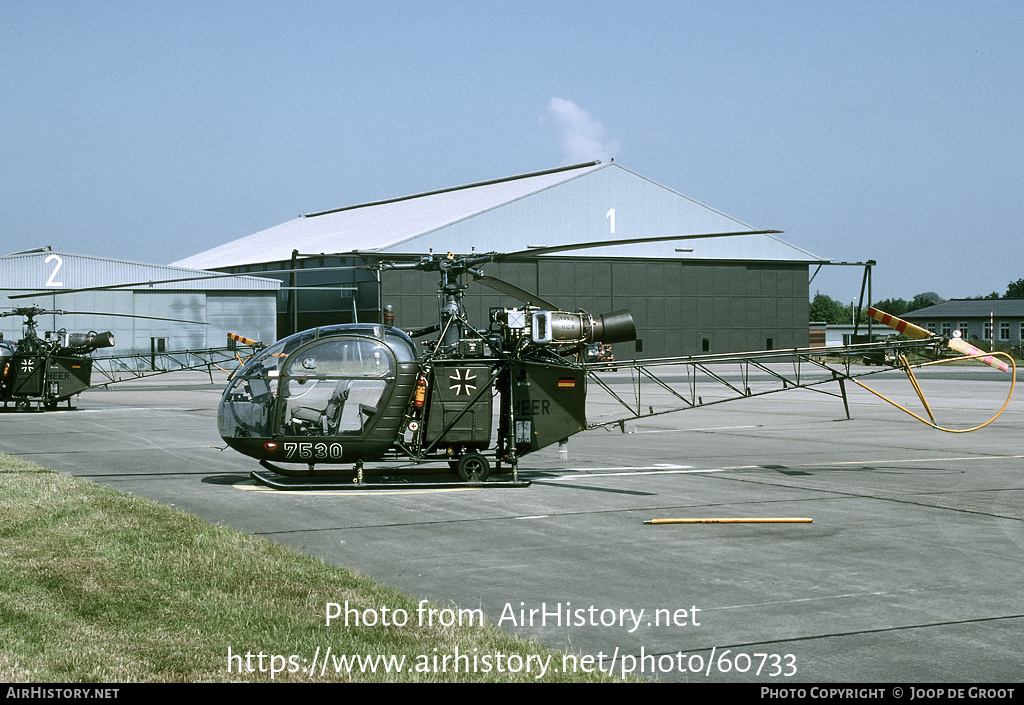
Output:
[[269, 360], [322, 382], [334, 357], [335, 386]]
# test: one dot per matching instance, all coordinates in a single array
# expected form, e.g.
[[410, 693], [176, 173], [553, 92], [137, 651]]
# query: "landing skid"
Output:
[[277, 481]]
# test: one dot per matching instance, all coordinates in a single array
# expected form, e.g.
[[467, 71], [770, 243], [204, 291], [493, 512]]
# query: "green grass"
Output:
[[100, 586]]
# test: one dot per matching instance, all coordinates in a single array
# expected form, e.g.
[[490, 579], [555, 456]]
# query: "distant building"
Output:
[[835, 334], [976, 319], [705, 295], [818, 334]]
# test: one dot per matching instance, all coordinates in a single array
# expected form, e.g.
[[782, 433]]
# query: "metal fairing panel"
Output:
[[459, 402], [27, 376], [548, 404], [71, 375]]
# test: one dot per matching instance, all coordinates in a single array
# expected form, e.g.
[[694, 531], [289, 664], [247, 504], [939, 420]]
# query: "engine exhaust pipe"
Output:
[[564, 328], [614, 327], [91, 340]]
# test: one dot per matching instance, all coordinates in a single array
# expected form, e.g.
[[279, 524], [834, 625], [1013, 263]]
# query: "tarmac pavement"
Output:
[[909, 572]]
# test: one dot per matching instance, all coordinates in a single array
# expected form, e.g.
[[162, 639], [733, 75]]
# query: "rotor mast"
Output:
[[451, 289]]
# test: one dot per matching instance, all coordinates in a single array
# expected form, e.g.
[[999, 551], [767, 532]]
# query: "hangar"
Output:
[[709, 295], [243, 305]]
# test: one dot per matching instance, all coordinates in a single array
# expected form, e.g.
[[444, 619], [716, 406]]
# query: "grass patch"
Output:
[[100, 586]]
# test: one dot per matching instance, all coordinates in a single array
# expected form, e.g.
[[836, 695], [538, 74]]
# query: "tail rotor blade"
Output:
[[911, 331], [898, 324], [243, 340], [965, 348]]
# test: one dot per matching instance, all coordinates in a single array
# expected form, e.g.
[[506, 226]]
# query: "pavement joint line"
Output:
[[623, 510], [878, 461], [588, 473], [879, 496], [694, 430], [858, 632], [877, 593]]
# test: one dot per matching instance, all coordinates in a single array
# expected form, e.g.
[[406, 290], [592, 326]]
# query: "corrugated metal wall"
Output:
[[677, 305]]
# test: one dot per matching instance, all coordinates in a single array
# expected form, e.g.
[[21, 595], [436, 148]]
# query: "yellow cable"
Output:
[[904, 364], [913, 381]]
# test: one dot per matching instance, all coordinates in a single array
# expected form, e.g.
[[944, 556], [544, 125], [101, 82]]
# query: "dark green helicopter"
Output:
[[353, 393], [46, 370], [40, 371]]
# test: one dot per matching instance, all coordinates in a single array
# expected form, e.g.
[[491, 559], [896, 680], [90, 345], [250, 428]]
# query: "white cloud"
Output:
[[580, 137]]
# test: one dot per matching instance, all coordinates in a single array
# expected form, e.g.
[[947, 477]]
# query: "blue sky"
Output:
[[891, 131]]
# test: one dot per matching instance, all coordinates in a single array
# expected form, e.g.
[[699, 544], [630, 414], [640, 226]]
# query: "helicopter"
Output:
[[316, 405], [358, 392], [42, 371], [46, 370]]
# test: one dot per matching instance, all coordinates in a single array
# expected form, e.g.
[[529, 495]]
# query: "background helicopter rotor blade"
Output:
[[911, 331], [627, 241], [35, 311], [130, 315], [515, 292], [110, 287]]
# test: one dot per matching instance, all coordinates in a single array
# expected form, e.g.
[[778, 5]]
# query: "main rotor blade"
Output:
[[515, 292], [473, 261], [129, 315], [628, 241], [114, 287]]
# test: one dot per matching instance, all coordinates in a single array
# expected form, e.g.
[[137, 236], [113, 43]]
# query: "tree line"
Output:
[[825, 308]]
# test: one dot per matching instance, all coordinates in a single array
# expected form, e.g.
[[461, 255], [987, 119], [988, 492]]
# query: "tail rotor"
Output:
[[961, 346]]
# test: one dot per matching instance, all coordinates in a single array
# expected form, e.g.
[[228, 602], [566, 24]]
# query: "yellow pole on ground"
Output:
[[734, 520]]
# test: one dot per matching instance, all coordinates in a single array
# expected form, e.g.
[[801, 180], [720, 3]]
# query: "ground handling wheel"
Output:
[[473, 467]]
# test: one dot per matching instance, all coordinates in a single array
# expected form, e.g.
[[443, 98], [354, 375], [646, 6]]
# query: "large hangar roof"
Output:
[[582, 203]]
